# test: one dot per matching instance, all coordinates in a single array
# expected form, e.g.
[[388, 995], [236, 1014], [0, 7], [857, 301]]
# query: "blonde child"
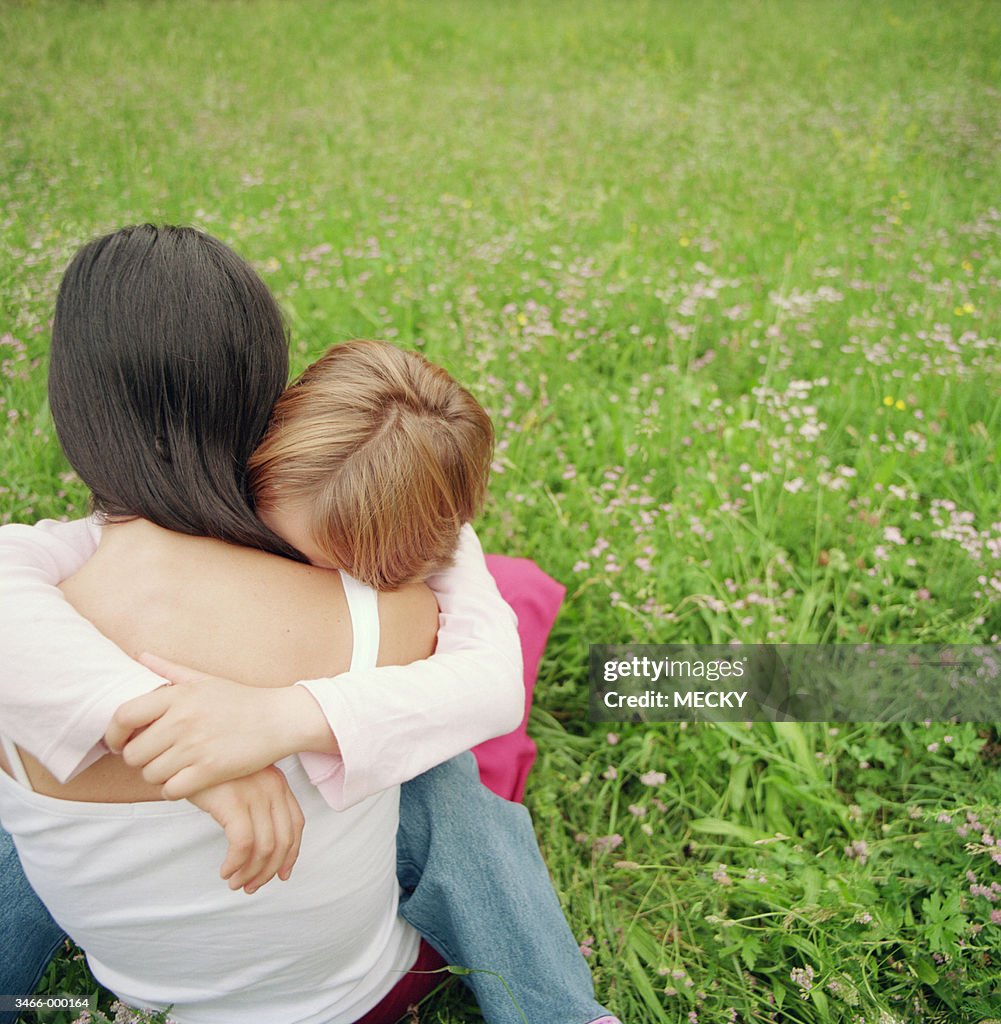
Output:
[[373, 461]]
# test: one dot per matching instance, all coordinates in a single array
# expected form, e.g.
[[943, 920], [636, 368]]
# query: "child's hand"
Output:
[[204, 730], [263, 824]]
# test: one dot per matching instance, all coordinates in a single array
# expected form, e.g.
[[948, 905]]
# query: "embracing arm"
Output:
[[395, 722], [357, 733], [60, 678]]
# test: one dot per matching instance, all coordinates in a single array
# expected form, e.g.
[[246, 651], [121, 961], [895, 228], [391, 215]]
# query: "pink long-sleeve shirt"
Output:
[[61, 680]]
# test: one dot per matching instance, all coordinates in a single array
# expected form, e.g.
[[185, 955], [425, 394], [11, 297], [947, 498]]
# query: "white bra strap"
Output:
[[15, 763], [363, 604]]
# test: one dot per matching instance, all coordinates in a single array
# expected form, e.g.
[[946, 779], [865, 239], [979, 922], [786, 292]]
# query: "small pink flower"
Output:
[[653, 778], [858, 850], [605, 843], [720, 877], [803, 977]]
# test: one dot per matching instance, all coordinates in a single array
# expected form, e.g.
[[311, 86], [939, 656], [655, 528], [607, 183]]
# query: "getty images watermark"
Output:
[[795, 682]]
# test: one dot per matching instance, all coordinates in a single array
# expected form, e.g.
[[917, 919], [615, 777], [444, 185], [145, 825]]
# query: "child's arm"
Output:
[[379, 727], [61, 680], [419, 715]]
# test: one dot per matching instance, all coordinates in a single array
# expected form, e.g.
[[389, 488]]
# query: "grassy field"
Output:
[[727, 279]]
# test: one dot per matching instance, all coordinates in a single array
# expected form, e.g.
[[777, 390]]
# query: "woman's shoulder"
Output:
[[232, 611], [409, 624]]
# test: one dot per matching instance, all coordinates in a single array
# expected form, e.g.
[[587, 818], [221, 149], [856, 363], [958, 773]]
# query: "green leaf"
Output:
[[779, 991], [794, 736], [639, 977], [820, 1001], [749, 950], [812, 880], [737, 792], [925, 971], [719, 827]]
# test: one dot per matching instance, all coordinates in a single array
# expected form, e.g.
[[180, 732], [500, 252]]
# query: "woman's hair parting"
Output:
[[168, 353], [388, 455]]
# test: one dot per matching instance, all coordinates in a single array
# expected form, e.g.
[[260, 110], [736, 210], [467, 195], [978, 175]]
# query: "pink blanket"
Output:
[[536, 598]]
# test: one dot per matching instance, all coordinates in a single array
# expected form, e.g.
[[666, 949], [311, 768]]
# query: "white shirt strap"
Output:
[[363, 604], [15, 763]]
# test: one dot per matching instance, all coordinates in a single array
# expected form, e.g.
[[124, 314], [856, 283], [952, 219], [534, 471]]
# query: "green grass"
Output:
[[726, 277]]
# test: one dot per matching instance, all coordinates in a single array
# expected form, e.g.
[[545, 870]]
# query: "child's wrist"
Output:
[[304, 726]]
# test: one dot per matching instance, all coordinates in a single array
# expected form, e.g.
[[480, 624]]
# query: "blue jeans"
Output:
[[474, 885], [28, 935]]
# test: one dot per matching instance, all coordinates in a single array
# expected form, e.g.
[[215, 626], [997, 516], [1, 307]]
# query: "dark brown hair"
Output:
[[168, 353]]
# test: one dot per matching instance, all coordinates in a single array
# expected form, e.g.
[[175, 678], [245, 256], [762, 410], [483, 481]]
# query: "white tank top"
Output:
[[137, 887]]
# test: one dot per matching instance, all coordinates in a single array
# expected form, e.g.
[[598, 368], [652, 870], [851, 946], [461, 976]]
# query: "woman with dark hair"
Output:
[[159, 413], [168, 354]]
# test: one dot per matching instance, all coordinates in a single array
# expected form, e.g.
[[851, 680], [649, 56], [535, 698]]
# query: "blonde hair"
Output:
[[387, 452]]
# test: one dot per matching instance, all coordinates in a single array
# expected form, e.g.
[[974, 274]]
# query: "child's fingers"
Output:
[[263, 824], [153, 751], [190, 780], [239, 832], [171, 669], [284, 838], [281, 818], [133, 715], [287, 823], [298, 823], [258, 868]]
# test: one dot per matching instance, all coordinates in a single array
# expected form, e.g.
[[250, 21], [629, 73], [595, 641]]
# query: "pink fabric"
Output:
[[536, 599], [418, 983]]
